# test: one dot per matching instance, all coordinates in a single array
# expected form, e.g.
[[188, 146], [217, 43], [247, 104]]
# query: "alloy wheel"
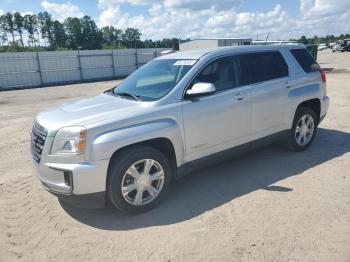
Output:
[[304, 130], [142, 182]]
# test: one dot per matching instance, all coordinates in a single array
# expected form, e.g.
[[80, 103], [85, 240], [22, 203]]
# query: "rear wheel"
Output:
[[303, 130], [139, 179]]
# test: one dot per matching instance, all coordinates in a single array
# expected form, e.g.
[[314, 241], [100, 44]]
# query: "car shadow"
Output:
[[207, 189]]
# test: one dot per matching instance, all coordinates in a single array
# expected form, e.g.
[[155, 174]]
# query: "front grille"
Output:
[[39, 134]]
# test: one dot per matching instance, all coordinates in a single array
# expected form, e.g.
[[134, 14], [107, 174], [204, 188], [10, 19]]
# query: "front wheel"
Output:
[[303, 130], [139, 178]]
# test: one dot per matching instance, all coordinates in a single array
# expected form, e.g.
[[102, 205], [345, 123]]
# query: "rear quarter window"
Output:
[[305, 60]]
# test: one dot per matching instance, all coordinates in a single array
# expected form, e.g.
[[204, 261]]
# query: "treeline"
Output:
[[321, 40], [39, 32]]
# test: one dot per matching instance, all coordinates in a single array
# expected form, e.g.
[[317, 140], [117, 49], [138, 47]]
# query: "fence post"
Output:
[[136, 59], [113, 64], [79, 64], [155, 54], [39, 69]]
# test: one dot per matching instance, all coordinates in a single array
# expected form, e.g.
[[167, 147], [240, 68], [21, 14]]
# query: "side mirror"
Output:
[[200, 89]]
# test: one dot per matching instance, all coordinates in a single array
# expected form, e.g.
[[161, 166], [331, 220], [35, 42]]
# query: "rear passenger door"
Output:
[[267, 74]]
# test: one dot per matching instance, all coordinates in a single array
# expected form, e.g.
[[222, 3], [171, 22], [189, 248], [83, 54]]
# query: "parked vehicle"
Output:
[[338, 48], [342, 46], [178, 112], [321, 47], [347, 44]]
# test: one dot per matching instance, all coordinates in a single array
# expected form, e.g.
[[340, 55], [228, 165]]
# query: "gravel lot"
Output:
[[270, 205]]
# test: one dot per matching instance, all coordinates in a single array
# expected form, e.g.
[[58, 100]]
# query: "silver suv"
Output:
[[178, 112]]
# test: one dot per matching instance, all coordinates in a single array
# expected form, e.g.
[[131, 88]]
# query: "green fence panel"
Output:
[[313, 50]]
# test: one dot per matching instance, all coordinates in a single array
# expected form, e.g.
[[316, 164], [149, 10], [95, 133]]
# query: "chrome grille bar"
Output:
[[38, 138]]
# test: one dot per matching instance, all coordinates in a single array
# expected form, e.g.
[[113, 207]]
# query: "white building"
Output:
[[274, 42], [213, 43]]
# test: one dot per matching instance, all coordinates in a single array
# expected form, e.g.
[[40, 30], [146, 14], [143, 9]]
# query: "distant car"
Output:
[[178, 112], [346, 45], [338, 48], [321, 47]]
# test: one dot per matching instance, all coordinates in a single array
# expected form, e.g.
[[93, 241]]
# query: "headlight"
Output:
[[69, 140]]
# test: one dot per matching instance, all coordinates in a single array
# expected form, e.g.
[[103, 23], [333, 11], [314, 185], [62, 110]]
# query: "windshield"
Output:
[[155, 79]]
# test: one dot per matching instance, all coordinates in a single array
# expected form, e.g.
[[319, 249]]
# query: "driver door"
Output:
[[220, 121]]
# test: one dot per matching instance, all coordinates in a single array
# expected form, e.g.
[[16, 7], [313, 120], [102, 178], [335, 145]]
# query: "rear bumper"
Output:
[[324, 107]]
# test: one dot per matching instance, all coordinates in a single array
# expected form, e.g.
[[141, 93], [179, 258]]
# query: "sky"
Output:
[[157, 19]]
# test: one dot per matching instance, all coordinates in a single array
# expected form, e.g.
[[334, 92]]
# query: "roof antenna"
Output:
[[267, 37]]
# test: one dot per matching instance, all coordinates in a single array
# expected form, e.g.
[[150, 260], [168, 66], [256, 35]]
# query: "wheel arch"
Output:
[[314, 104], [162, 144]]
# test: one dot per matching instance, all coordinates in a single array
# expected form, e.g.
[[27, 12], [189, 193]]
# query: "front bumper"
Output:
[[80, 184]]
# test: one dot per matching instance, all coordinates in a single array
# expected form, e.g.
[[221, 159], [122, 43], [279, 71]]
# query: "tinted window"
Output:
[[224, 73], [262, 66], [305, 60]]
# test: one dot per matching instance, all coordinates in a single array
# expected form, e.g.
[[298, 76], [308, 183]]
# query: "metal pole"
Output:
[[79, 64], [136, 59], [39, 69], [113, 64], [155, 54]]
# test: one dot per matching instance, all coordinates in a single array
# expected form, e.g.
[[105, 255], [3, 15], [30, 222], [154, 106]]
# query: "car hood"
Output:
[[90, 110]]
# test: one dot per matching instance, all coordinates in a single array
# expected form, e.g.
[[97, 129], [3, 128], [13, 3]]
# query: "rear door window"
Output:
[[305, 60], [263, 66]]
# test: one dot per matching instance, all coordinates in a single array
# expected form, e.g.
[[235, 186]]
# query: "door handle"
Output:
[[239, 96], [288, 84]]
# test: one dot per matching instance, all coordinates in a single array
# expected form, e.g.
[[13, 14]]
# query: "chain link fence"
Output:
[[33, 69]]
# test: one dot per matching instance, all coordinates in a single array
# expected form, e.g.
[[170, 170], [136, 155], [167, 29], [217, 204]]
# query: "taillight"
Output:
[[323, 75]]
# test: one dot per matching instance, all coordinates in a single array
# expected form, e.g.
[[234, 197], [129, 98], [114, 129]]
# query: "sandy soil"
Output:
[[270, 205]]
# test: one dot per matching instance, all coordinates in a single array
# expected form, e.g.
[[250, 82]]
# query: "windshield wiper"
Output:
[[135, 97]]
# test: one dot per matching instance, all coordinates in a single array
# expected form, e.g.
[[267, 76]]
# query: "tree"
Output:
[[73, 32], [3, 38], [9, 26], [91, 35], [131, 36], [303, 40], [3, 32], [18, 25], [59, 35], [30, 24], [148, 43], [46, 24], [111, 35], [108, 34]]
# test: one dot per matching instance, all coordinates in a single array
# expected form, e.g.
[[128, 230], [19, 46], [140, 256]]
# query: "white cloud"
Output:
[[175, 4], [27, 13], [62, 11], [205, 18], [2, 12], [321, 17], [202, 4], [317, 8]]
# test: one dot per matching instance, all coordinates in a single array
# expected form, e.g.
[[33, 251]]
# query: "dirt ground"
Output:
[[269, 205]]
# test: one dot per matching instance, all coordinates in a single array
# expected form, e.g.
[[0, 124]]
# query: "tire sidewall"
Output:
[[299, 114], [121, 165]]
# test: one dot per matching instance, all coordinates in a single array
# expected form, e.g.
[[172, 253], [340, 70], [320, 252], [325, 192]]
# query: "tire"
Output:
[[128, 171], [295, 140]]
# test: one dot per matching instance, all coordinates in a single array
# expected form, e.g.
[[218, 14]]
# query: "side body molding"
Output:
[[106, 144]]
